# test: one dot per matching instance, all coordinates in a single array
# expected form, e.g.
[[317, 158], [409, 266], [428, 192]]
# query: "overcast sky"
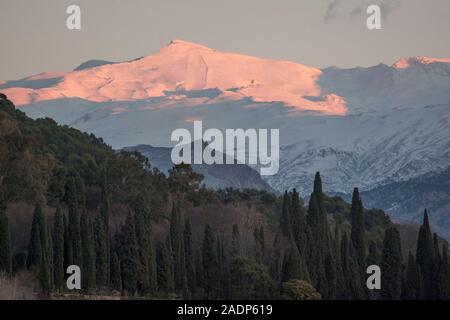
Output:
[[319, 33]]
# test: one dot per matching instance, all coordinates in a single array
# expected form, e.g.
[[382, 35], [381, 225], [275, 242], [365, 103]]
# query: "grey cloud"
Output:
[[350, 8]]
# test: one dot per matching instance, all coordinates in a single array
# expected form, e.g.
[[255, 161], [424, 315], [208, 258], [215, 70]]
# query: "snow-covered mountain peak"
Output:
[[418, 60], [184, 66]]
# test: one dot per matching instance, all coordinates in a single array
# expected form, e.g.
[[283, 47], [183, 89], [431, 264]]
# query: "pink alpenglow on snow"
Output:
[[183, 66]]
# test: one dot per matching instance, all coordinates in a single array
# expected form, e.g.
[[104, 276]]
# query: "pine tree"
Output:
[[358, 229], [58, 249], [88, 253], [130, 256], [391, 265], [425, 254], [189, 256], [5, 240], [209, 262], [412, 289]]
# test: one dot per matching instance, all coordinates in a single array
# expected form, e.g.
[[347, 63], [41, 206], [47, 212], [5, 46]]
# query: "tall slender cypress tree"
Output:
[[189, 256], [286, 219], [298, 222], [425, 254], [444, 276], [88, 253], [74, 224], [147, 274], [130, 257], [5, 240], [101, 256], [412, 289], [209, 261], [391, 265], [177, 248], [164, 266], [116, 278], [58, 249], [358, 229]]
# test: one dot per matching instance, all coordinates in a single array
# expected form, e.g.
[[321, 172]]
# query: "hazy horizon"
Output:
[[314, 33]]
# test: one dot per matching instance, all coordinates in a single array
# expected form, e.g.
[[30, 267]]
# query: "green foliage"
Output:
[[129, 256], [295, 289], [58, 249], [250, 280], [412, 288], [391, 266], [5, 241], [88, 253], [358, 229], [209, 263], [425, 254]]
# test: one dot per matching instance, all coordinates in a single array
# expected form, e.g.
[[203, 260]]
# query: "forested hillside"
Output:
[[66, 198]]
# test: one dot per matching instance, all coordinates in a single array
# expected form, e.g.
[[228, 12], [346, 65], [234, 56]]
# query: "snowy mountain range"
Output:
[[360, 127]]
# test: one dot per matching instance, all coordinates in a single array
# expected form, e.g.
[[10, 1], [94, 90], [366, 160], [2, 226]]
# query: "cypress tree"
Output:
[[425, 254], [101, 256], [189, 256], [116, 279], [444, 276], [298, 222], [68, 255], [177, 248], [5, 240], [104, 213], [350, 268], [74, 224], [35, 246], [58, 249], [331, 275], [209, 262], [164, 267], [373, 257], [340, 279], [391, 265], [358, 229], [412, 289], [88, 252], [286, 220], [435, 270], [147, 274], [39, 251], [130, 256], [294, 266], [319, 237], [235, 242]]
